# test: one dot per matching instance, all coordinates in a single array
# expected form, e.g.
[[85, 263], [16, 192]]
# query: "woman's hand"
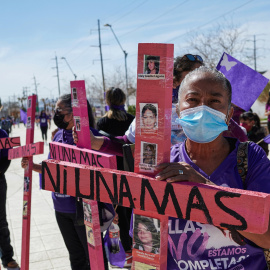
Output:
[[24, 162], [179, 172]]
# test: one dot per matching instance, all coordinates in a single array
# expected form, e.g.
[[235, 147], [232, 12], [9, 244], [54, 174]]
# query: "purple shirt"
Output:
[[193, 245], [65, 203], [267, 108], [44, 120]]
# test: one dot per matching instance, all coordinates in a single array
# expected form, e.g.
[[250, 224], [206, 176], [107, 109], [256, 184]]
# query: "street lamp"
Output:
[[75, 76], [126, 54]]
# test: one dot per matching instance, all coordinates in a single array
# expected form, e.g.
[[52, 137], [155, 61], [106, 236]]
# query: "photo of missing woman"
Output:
[[149, 117], [151, 64], [29, 103], [90, 235], [28, 123], [25, 208], [146, 234], [87, 212], [78, 123], [26, 184], [149, 154], [74, 94]]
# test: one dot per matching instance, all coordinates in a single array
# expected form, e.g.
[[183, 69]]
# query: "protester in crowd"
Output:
[[152, 65], [208, 156], [5, 125], [44, 121], [255, 132], [6, 250], [149, 116], [115, 122], [267, 113], [68, 210], [146, 236]]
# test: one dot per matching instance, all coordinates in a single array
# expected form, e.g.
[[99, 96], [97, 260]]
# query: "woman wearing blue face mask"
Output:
[[208, 157]]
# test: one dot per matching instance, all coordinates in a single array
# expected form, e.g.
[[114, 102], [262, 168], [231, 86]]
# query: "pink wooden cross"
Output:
[[9, 142], [28, 150]]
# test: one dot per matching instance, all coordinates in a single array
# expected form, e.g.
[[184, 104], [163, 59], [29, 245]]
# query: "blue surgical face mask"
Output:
[[202, 124]]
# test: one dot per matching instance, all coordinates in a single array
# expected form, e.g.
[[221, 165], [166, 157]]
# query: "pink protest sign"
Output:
[[26, 150], [81, 122], [8, 142], [221, 206]]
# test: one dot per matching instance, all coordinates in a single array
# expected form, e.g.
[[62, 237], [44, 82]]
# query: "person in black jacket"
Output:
[[6, 250], [255, 132]]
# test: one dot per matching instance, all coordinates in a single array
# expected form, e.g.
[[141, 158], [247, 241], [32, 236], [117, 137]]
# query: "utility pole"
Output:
[[57, 73], [101, 59], [255, 60]]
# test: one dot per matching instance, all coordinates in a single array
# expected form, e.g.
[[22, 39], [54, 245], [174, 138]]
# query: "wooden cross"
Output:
[[9, 142], [28, 150], [220, 206]]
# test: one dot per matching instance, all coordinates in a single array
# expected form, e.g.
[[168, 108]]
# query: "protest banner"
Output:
[[9, 142], [28, 150]]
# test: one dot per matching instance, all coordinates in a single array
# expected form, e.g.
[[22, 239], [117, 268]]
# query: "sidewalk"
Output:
[[47, 248]]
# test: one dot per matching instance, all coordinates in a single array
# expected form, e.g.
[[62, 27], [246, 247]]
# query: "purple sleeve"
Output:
[[258, 169], [113, 148]]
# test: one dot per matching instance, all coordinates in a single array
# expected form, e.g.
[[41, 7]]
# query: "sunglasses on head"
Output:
[[193, 58]]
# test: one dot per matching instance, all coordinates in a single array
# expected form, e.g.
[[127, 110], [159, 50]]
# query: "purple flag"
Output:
[[23, 116], [247, 84], [267, 139]]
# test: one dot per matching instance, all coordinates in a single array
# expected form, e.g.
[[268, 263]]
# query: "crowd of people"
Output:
[[207, 155]]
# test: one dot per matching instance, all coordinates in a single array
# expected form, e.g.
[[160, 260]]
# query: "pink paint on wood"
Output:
[[71, 153], [220, 206], [9, 142], [26, 150], [153, 132], [80, 113]]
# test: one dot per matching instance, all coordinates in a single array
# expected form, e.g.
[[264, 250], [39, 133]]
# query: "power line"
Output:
[[130, 11], [224, 14], [155, 19]]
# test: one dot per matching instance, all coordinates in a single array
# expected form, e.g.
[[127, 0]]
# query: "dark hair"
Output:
[[182, 63], [115, 97], [152, 148], [66, 100], [250, 116], [155, 59], [150, 107], [149, 224]]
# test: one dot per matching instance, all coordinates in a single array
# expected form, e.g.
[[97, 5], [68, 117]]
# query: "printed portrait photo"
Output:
[[151, 64], [29, 103], [149, 153], [149, 117], [28, 123], [146, 234], [90, 235], [74, 94], [77, 123], [25, 208], [26, 184], [87, 212]]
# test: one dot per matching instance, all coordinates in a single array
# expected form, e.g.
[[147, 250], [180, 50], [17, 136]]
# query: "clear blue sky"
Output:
[[31, 32]]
